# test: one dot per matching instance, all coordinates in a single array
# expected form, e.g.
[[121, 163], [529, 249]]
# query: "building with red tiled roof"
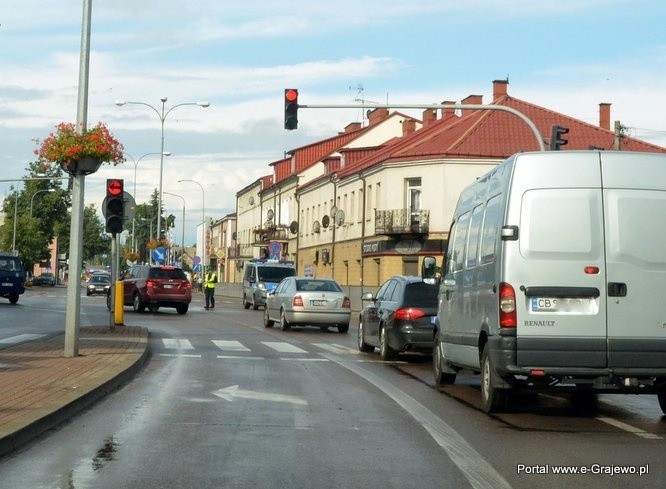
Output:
[[383, 207], [267, 210]]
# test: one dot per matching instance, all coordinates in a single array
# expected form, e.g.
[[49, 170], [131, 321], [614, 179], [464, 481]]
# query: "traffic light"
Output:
[[290, 108], [114, 206], [557, 138]]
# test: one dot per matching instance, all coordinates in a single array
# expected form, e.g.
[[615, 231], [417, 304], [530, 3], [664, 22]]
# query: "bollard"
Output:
[[118, 307]]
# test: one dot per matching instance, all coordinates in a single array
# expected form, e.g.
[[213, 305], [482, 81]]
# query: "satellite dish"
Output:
[[269, 214], [316, 227], [325, 221], [334, 210], [339, 218], [293, 227]]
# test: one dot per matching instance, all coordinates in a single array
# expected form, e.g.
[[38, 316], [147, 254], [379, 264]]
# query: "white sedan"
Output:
[[303, 301]]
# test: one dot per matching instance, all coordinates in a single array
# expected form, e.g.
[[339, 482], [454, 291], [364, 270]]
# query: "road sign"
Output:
[[159, 254], [196, 260]]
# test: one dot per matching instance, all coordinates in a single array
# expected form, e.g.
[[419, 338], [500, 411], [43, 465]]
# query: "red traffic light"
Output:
[[114, 187], [291, 95]]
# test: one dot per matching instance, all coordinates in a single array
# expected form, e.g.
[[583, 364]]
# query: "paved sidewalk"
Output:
[[40, 388]]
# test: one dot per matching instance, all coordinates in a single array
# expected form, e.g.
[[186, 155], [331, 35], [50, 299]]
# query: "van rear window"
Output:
[[275, 274]]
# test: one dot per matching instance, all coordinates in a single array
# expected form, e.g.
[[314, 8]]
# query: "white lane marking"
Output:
[[629, 428], [333, 348], [178, 355], [479, 473], [20, 338], [177, 344], [282, 347], [233, 391], [230, 345], [301, 359], [239, 357]]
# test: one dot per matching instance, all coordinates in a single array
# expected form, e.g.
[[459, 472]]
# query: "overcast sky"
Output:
[[566, 55]]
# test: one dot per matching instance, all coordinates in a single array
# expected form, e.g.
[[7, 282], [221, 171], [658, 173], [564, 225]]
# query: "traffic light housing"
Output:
[[114, 205], [290, 108], [557, 137]]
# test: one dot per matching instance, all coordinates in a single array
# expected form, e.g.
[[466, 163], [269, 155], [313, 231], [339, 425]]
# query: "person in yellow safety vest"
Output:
[[210, 279]]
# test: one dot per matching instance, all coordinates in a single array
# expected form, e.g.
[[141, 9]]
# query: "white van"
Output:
[[555, 277]]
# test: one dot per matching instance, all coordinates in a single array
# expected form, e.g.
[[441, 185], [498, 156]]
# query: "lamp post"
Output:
[[136, 163], [203, 223], [162, 116], [38, 192], [182, 239]]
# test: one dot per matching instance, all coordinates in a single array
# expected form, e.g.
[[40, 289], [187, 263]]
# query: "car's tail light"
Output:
[[409, 314], [151, 283], [346, 303], [298, 301], [507, 306], [187, 284]]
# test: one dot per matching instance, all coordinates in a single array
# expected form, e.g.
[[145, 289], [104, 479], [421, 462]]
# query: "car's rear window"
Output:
[[317, 286], [167, 273], [421, 294], [275, 274]]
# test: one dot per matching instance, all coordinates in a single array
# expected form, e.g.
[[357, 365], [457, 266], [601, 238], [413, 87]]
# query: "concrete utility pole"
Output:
[[78, 186]]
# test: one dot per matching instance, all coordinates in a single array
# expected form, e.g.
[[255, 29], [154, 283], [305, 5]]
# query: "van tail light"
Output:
[[346, 303], [409, 314], [507, 306], [298, 301]]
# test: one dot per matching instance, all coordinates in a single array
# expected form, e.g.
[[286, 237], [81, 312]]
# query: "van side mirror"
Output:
[[429, 267]]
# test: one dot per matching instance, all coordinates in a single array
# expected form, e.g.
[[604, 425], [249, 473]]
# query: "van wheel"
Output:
[[246, 304], [661, 396], [441, 377], [284, 324], [13, 299], [492, 399], [255, 306], [343, 328], [268, 322], [137, 305], [385, 351], [362, 345]]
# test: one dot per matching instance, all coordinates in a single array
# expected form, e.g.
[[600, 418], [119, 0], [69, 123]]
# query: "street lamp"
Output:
[[136, 163], [162, 116], [182, 239], [38, 192], [203, 223]]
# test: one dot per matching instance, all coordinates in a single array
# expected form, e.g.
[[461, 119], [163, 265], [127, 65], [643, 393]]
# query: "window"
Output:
[[490, 230], [414, 195], [474, 237], [459, 232]]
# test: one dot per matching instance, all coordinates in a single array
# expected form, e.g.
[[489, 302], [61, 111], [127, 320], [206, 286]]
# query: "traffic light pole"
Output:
[[511, 110], [114, 279]]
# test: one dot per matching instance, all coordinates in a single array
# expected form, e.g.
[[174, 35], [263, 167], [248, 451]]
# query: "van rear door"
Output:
[[635, 222], [556, 266]]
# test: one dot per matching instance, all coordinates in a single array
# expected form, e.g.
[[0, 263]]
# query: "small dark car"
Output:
[[153, 287], [46, 278], [400, 318], [98, 283]]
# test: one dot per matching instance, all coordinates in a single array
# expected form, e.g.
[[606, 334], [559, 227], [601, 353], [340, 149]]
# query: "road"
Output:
[[225, 403]]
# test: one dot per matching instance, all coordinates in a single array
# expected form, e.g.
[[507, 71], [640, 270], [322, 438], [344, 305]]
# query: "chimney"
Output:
[[604, 115], [408, 126], [471, 100], [500, 88], [429, 116], [448, 113], [353, 126], [377, 115]]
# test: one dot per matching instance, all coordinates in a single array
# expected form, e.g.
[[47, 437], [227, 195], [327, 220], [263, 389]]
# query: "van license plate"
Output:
[[7, 284], [544, 304]]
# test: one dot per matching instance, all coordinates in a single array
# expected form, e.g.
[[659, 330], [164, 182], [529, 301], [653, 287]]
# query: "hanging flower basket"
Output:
[[80, 154]]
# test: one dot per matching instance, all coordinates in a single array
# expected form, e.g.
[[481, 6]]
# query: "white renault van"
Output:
[[555, 277]]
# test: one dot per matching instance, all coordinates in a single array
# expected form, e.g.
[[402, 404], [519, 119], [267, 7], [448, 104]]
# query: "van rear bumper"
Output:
[[503, 355]]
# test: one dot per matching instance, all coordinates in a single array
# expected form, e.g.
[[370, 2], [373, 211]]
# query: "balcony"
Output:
[[402, 221]]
